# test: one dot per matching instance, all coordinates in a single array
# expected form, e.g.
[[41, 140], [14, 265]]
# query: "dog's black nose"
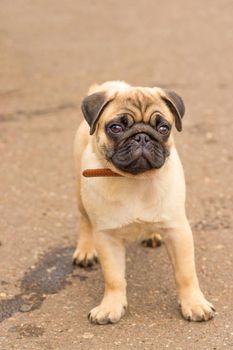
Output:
[[142, 138]]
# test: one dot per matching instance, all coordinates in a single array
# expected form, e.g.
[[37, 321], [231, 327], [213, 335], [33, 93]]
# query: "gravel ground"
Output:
[[50, 52]]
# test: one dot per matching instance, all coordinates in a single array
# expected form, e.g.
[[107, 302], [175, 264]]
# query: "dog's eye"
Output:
[[163, 129], [116, 128]]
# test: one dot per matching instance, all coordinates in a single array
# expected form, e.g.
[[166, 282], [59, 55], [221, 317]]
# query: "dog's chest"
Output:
[[113, 203], [116, 202]]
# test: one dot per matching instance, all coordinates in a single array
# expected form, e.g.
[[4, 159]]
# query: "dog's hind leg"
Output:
[[85, 254]]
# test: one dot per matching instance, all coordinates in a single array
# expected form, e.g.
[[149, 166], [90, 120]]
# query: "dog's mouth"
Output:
[[135, 159]]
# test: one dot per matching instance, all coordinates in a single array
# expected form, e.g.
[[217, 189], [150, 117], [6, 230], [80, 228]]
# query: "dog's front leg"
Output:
[[111, 252], [179, 243]]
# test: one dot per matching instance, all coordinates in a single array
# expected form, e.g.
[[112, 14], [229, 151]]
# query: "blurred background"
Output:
[[50, 52]]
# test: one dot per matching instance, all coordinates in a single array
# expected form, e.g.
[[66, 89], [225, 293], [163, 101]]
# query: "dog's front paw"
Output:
[[107, 312], [195, 307], [84, 258]]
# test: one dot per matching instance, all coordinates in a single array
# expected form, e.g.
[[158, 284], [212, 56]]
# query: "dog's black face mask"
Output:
[[138, 147]]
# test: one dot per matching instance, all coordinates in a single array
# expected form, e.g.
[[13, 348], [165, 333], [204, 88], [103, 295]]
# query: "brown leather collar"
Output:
[[100, 173]]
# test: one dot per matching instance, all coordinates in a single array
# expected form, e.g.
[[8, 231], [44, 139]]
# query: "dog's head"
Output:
[[132, 126]]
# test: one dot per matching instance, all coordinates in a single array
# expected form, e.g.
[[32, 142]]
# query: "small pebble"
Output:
[[219, 246], [209, 137], [3, 295], [25, 307], [88, 335]]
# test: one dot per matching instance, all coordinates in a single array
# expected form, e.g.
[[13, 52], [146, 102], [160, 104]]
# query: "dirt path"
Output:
[[50, 52]]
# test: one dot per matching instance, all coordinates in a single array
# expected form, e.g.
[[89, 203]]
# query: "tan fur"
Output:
[[113, 210]]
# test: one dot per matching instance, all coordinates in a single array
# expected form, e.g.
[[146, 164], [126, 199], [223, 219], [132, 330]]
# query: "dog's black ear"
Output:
[[92, 108], [176, 105]]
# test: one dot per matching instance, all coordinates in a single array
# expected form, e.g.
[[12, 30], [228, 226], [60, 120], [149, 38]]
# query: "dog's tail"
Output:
[[110, 86]]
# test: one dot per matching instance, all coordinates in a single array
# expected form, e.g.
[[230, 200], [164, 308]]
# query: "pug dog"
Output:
[[130, 131]]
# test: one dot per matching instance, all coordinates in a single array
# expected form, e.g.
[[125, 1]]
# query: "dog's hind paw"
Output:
[[84, 259], [153, 242]]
